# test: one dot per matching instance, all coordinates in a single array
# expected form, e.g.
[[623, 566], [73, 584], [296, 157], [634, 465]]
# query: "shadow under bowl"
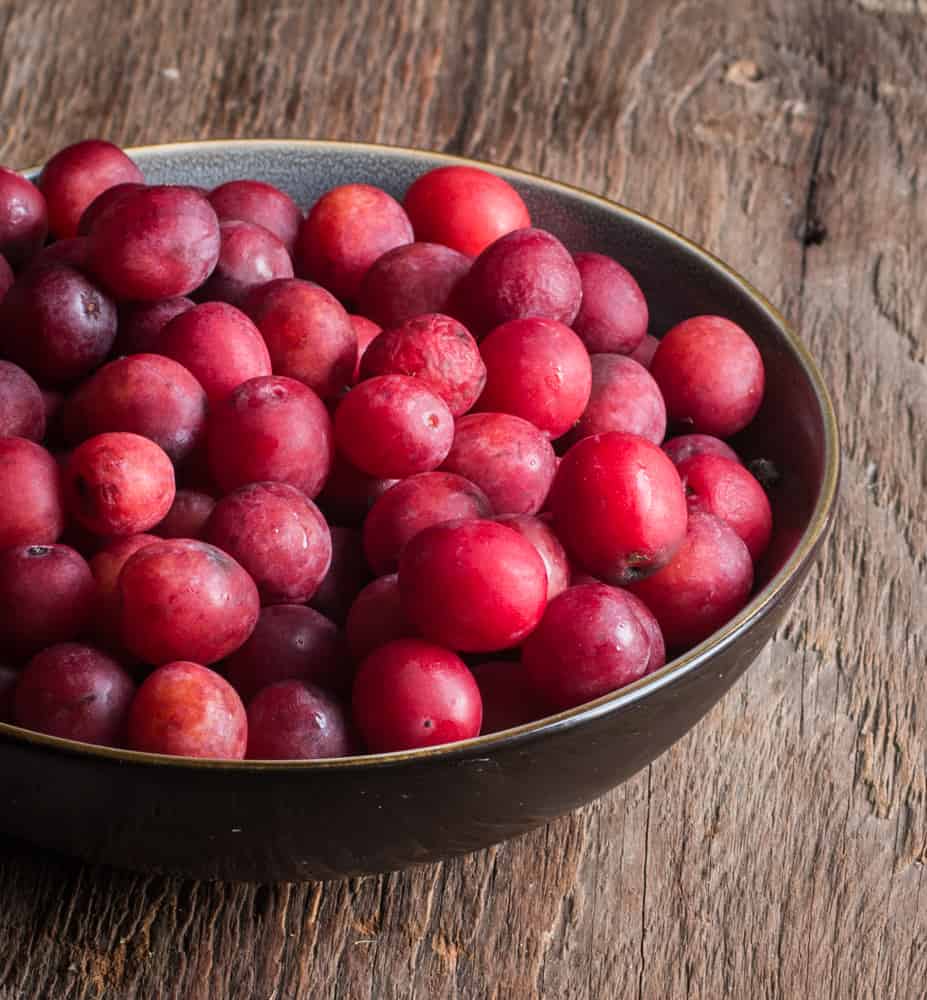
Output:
[[327, 819]]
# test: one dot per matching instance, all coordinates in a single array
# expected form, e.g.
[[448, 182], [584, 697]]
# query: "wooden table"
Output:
[[779, 850]]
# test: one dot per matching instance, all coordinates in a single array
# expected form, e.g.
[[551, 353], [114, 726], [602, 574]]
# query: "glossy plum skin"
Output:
[[473, 586], [376, 618], [589, 642], [393, 426], [76, 175], [259, 203], [271, 429], [411, 506], [102, 203], [249, 256], [711, 376], [539, 370], [22, 409], [464, 207], [154, 243], [651, 627], [6, 276], [410, 281], [293, 720], [706, 584], [187, 710], [278, 535], [75, 692], [58, 324], [188, 515], [346, 230], [31, 506], [308, 334], [613, 315], [141, 323], [365, 330], [688, 445], [719, 486], [106, 565], [410, 694], [145, 394], [539, 532], [219, 345], [645, 350], [623, 397], [511, 461], [185, 598], [528, 273], [435, 349], [346, 577], [618, 506], [118, 484], [23, 218], [47, 595], [290, 642], [508, 697]]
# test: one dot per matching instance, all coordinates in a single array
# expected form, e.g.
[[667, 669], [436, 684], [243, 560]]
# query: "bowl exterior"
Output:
[[277, 822]]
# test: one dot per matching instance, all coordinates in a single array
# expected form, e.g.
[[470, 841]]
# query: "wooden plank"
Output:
[[778, 850]]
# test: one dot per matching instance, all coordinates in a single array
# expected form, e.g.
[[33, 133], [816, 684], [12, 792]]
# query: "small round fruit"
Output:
[[376, 618], [74, 177], [74, 692], [141, 323], [290, 642], [436, 350], [623, 398], [618, 506], [22, 409], [58, 325], [711, 375], [613, 315], [260, 203], [101, 204], [464, 207], [293, 720], [144, 394], [23, 218], [705, 585], [539, 370], [645, 350], [249, 256], [688, 445], [539, 532], [475, 586], [31, 510], [271, 429], [510, 460], [346, 230], [106, 565], [154, 243], [6, 276], [589, 642], [719, 486], [528, 273], [508, 696], [410, 694], [188, 515], [308, 334], [393, 426], [118, 484], [218, 345], [184, 598], [346, 577], [186, 710], [278, 535], [47, 595], [410, 281], [366, 331], [349, 494], [651, 626]]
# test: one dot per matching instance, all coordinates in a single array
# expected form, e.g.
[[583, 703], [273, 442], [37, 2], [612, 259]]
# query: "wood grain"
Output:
[[779, 850]]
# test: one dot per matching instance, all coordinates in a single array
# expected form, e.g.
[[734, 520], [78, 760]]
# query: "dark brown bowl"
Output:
[[320, 819]]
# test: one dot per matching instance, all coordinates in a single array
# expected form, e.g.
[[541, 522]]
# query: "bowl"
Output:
[[325, 819]]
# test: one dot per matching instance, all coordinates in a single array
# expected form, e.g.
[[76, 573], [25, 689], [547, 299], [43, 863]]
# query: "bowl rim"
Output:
[[756, 609]]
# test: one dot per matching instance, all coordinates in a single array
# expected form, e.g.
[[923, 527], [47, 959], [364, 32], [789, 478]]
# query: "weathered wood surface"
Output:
[[779, 850]]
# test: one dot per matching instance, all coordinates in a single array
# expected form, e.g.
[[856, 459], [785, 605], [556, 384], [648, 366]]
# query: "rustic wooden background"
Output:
[[779, 850]]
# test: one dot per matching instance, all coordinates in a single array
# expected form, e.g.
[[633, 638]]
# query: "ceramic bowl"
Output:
[[323, 819]]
